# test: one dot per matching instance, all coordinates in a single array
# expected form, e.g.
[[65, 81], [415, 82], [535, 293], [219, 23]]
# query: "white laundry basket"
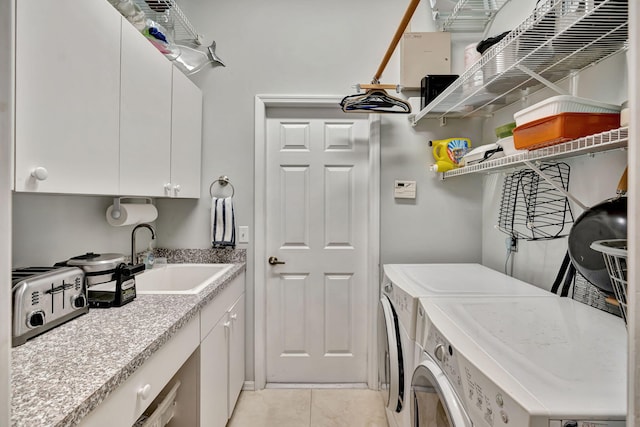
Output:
[[615, 258], [163, 413]]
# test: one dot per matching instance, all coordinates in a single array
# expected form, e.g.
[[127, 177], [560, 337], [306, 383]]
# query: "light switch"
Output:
[[243, 234], [405, 190]]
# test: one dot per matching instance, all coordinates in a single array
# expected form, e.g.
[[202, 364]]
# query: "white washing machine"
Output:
[[521, 362], [402, 286]]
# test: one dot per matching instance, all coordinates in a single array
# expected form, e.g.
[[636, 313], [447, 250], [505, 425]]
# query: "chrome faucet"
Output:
[[133, 240]]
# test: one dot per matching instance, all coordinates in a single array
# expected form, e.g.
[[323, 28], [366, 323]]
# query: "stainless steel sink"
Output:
[[179, 278]]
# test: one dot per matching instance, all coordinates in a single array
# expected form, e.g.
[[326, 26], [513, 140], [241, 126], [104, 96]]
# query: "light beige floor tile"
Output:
[[347, 408], [272, 408]]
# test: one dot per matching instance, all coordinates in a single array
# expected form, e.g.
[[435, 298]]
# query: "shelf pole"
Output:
[[542, 80], [573, 82]]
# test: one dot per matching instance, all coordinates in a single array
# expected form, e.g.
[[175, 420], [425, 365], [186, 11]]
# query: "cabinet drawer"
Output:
[[211, 314], [125, 405]]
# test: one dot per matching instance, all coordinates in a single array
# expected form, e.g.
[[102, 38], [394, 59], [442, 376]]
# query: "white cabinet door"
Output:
[[186, 137], [145, 116], [213, 375], [67, 96], [236, 352]]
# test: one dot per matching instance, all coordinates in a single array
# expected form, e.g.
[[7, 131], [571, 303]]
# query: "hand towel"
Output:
[[223, 223]]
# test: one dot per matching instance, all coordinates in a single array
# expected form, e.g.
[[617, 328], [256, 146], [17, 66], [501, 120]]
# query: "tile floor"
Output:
[[309, 408]]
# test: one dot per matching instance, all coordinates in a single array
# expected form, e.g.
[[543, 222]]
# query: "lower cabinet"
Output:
[[194, 379], [222, 354], [236, 353]]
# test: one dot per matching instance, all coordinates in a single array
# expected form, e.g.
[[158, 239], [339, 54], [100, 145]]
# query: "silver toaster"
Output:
[[45, 297]]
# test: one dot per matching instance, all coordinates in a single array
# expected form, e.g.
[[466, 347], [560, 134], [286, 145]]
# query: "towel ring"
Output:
[[223, 181]]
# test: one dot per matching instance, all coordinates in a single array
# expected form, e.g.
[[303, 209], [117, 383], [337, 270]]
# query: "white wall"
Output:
[[6, 120], [444, 222], [593, 179]]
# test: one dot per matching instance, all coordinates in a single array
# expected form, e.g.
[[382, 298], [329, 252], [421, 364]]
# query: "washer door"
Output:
[[433, 400], [390, 361]]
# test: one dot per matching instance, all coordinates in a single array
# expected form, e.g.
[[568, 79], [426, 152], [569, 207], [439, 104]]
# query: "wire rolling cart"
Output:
[[615, 258]]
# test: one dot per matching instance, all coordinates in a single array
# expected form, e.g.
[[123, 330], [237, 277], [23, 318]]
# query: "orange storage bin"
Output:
[[561, 128]]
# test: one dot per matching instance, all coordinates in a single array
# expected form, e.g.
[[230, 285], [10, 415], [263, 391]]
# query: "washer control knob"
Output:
[[504, 416], [440, 352], [499, 400]]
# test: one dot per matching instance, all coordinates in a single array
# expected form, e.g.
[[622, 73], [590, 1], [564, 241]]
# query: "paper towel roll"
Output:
[[132, 213]]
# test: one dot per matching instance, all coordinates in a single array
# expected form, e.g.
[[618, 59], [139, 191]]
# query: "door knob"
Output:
[[273, 261]]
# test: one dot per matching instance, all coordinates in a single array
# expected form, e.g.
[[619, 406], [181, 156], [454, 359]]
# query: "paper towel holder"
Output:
[[116, 213]]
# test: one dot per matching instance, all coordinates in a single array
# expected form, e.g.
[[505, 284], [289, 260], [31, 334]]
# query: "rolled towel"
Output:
[[223, 223]]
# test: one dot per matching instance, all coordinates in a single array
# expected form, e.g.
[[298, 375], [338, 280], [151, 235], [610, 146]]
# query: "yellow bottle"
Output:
[[441, 166], [448, 153]]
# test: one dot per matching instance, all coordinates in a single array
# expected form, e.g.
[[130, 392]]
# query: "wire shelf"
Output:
[[168, 14], [604, 141], [533, 209], [552, 43], [465, 15]]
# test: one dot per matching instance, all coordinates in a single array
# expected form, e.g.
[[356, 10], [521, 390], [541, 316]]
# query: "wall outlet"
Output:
[[243, 234], [512, 244]]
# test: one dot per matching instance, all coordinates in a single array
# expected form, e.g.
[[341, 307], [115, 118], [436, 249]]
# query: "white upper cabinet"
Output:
[[145, 117], [99, 110], [186, 137], [67, 96]]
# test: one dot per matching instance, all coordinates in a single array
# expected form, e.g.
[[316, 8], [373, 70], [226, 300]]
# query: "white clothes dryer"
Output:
[[523, 362], [402, 286]]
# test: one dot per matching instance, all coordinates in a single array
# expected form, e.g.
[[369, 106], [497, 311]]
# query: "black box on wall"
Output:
[[433, 85]]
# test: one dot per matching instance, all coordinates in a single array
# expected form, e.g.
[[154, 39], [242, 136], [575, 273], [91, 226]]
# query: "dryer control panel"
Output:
[[404, 305], [485, 403]]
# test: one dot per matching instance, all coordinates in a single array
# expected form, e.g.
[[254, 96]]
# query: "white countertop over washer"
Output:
[[412, 281], [554, 358]]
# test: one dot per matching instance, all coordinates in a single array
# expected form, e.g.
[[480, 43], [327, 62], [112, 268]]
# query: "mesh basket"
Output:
[[615, 258]]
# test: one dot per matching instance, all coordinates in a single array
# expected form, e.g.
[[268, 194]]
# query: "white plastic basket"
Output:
[[615, 258], [562, 104], [163, 413]]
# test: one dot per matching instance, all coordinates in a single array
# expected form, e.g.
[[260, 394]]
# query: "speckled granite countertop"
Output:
[[62, 375]]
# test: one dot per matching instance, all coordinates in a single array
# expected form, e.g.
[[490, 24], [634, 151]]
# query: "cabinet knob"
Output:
[[234, 316], [227, 325], [167, 188], [144, 392], [177, 188], [40, 173]]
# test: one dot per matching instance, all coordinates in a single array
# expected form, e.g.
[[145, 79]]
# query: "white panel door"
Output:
[[317, 163]]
